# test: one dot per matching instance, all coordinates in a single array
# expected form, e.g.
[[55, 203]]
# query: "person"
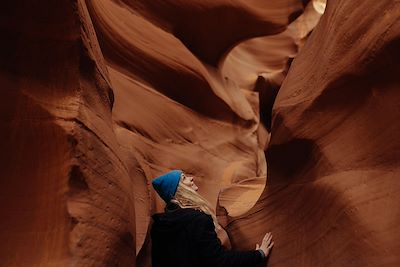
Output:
[[185, 234]]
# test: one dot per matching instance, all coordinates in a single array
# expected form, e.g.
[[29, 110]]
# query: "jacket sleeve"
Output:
[[211, 252]]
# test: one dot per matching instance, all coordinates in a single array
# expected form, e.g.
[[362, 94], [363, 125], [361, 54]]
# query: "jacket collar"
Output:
[[170, 207]]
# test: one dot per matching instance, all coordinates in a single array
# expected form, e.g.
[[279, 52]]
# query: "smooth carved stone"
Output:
[[66, 196], [333, 159], [99, 97]]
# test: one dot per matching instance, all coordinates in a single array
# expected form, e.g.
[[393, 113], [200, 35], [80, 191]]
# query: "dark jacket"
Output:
[[187, 238]]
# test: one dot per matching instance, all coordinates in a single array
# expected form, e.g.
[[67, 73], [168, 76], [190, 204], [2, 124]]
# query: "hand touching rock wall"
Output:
[[333, 160], [192, 85]]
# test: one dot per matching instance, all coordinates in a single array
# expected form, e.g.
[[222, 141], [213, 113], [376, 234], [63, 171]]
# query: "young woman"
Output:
[[184, 235]]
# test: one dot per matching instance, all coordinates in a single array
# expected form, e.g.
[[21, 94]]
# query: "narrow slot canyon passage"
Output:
[[286, 113]]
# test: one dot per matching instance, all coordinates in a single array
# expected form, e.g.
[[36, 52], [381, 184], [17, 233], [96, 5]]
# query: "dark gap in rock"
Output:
[[87, 65], [77, 182], [267, 95], [74, 221], [293, 16]]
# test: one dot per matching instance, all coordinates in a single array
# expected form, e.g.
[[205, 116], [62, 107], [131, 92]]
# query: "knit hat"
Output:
[[166, 184]]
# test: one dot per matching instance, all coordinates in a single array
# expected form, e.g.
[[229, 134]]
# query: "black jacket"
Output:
[[187, 238]]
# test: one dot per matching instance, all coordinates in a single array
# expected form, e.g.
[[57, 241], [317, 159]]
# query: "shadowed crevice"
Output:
[[267, 93], [77, 182]]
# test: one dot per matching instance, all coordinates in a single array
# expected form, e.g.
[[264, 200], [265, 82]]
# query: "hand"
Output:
[[266, 244]]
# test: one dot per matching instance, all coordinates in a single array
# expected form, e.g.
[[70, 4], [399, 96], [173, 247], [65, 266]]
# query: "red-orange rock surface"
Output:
[[66, 196], [332, 197], [100, 96]]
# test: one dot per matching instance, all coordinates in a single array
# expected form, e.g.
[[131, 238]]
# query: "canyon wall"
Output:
[[66, 196], [332, 196], [100, 96]]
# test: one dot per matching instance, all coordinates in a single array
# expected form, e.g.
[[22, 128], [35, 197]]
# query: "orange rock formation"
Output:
[[99, 97]]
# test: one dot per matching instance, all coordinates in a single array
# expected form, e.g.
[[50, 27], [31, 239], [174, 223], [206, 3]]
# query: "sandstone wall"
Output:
[[66, 197], [333, 161], [99, 97]]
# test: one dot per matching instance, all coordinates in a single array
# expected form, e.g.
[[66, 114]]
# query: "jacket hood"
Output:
[[174, 219]]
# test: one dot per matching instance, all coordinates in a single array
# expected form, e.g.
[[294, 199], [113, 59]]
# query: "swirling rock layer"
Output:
[[333, 160], [99, 97]]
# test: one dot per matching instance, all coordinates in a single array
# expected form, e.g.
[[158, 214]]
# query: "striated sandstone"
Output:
[[66, 197], [174, 109], [332, 197], [101, 96]]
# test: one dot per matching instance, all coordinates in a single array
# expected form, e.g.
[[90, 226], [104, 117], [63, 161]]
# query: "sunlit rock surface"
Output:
[[178, 104], [333, 160], [100, 96]]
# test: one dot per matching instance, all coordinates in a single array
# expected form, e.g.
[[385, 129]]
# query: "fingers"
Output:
[[257, 246], [270, 245], [267, 235], [267, 239]]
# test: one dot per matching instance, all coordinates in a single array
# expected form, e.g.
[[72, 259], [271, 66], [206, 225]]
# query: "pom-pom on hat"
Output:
[[166, 184]]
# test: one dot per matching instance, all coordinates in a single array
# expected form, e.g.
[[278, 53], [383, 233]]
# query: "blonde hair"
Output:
[[186, 197]]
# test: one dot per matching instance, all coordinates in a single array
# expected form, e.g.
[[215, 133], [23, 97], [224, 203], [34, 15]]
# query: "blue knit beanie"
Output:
[[166, 184]]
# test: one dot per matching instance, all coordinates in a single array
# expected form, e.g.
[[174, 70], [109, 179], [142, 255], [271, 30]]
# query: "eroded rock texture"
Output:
[[333, 160], [178, 99], [66, 196], [100, 96]]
